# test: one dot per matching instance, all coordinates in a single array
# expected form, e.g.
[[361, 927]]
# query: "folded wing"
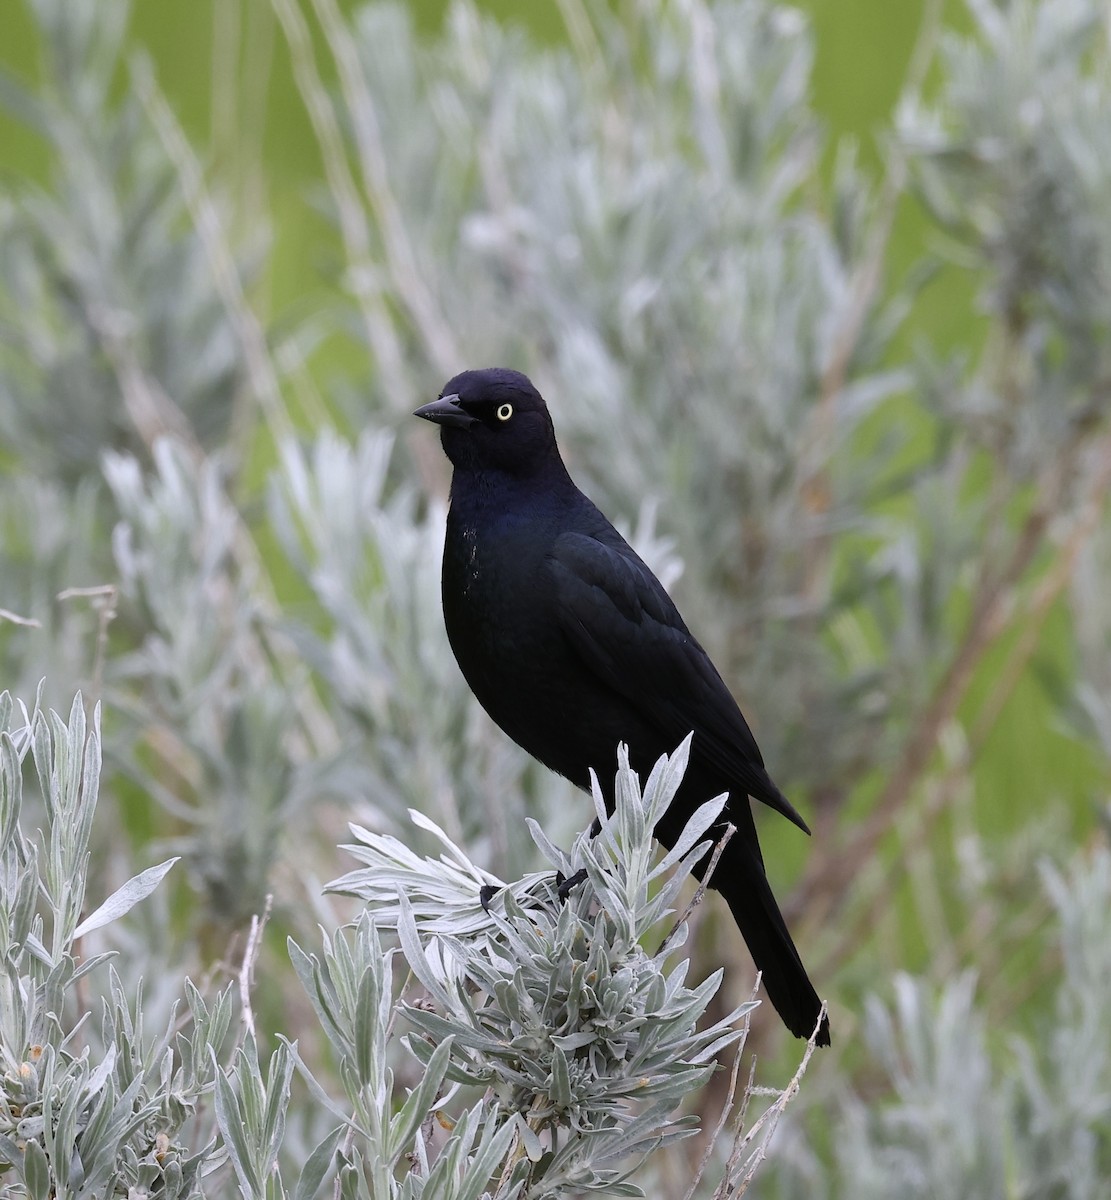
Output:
[[626, 629]]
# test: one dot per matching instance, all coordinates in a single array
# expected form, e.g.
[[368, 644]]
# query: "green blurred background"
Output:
[[862, 50]]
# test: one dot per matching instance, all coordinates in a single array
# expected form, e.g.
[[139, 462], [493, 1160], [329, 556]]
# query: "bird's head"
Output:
[[493, 419]]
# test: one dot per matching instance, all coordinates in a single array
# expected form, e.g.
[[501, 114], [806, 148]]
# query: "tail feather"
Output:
[[741, 880]]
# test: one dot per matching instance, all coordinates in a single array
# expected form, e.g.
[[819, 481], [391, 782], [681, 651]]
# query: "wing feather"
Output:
[[627, 630]]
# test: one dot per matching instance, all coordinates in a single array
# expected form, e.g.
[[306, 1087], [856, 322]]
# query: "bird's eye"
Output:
[[505, 411]]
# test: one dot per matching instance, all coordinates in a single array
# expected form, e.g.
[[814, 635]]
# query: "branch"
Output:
[[247, 967]]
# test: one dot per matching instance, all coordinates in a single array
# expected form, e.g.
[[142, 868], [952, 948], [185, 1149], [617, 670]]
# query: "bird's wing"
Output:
[[627, 630]]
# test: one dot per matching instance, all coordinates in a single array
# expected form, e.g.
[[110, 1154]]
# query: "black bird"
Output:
[[572, 645]]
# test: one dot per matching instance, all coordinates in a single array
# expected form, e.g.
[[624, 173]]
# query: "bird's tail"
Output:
[[741, 880]]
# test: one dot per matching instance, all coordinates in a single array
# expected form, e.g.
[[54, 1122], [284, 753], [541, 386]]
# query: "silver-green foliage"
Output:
[[201, 682], [103, 272], [88, 1108], [585, 1041], [971, 1111], [1013, 163]]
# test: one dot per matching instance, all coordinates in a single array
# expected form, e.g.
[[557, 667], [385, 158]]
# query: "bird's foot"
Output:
[[565, 885], [486, 893]]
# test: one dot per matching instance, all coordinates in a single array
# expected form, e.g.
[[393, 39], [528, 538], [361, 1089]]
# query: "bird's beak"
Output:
[[446, 411]]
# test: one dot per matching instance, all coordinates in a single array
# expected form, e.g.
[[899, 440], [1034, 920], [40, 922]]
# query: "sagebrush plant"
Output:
[[92, 1103], [890, 532], [582, 1043], [567, 1008], [82, 256], [1036, 1114]]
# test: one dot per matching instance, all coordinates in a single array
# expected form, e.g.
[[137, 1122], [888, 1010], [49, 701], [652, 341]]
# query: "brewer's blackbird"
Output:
[[572, 645]]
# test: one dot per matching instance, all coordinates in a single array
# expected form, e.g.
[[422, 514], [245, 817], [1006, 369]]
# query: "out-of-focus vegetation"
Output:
[[852, 406]]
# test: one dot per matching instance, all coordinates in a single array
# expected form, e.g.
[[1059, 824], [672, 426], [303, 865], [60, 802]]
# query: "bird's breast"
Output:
[[490, 585], [500, 614]]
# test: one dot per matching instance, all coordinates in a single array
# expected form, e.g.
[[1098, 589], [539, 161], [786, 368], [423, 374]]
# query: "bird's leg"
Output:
[[565, 885]]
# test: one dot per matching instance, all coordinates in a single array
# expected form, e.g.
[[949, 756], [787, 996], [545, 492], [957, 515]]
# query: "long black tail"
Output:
[[741, 880]]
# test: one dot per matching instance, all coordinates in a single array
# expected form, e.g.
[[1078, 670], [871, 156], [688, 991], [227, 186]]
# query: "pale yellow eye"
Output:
[[505, 411]]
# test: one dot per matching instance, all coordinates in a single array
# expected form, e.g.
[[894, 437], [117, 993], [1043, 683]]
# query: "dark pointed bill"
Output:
[[446, 411]]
